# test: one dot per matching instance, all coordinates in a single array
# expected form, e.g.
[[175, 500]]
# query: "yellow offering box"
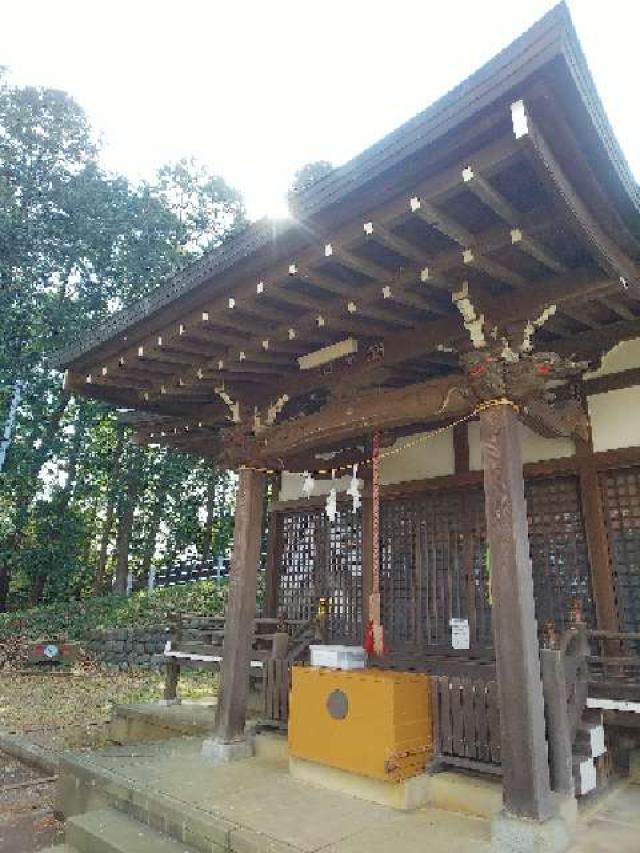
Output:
[[373, 722]]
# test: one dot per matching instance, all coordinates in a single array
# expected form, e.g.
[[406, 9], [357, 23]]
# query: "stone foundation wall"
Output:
[[127, 646]]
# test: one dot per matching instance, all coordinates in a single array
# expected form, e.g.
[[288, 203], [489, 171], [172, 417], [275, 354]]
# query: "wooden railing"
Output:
[[197, 642], [276, 671], [466, 723], [614, 672]]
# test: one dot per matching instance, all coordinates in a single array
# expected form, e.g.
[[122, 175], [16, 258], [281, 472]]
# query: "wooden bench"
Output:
[[196, 642]]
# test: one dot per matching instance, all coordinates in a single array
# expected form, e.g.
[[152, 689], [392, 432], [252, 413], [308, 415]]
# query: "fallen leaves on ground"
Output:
[[70, 709]]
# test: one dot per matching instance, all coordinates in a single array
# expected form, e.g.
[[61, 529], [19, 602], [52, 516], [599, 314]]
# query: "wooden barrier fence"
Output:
[[276, 674], [466, 723]]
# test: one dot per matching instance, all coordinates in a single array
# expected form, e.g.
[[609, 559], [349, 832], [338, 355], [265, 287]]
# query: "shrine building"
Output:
[[432, 368]]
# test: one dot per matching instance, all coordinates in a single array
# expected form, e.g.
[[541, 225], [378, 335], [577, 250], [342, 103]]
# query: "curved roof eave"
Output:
[[550, 38]]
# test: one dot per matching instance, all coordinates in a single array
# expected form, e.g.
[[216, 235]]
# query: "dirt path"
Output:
[[27, 823]]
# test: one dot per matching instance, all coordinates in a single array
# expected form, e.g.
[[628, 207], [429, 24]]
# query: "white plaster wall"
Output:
[[535, 448], [615, 419], [291, 488], [624, 356], [432, 457]]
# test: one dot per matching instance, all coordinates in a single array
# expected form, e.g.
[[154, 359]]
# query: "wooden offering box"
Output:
[[372, 722]]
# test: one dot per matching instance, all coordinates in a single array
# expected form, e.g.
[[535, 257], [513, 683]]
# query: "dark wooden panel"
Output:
[[621, 497], [323, 560], [467, 722]]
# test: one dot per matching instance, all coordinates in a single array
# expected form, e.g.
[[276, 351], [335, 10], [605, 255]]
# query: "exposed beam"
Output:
[[593, 344], [357, 416], [618, 308]]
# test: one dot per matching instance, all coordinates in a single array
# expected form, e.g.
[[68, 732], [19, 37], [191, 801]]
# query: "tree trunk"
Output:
[[100, 576], [154, 523], [38, 581], [125, 523]]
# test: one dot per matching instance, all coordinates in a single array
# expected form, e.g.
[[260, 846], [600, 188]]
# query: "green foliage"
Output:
[[76, 244], [308, 175], [75, 620]]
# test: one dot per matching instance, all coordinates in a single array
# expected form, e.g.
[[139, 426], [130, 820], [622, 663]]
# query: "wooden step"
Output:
[[111, 831]]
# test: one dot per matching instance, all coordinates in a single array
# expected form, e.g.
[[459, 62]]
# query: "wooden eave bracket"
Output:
[[473, 322], [233, 405]]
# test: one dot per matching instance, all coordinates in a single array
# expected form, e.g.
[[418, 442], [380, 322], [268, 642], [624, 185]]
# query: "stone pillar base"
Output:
[[511, 834], [218, 752]]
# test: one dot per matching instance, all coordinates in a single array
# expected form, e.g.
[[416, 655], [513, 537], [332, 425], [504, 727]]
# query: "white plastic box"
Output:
[[339, 657]]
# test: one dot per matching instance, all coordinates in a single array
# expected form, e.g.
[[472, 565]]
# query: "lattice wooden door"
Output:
[[558, 550], [433, 569], [621, 494], [434, 563], [321, 560]]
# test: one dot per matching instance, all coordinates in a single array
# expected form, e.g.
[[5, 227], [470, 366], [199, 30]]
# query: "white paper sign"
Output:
[[459, 633]]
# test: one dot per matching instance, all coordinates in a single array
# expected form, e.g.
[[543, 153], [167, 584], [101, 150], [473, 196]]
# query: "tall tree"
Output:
[[75, 245]]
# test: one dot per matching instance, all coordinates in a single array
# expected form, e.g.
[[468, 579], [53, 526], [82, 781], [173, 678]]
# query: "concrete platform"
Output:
[[151, 721], [250, 806], [255, 806]]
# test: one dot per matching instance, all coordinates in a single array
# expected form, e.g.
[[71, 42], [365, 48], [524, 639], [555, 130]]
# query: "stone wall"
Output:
[[127, 646]]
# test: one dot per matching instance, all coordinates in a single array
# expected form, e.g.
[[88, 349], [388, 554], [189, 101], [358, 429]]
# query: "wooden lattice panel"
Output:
[[558, 550], [433, 565], [323, 560], [621, 493], [433, 569]]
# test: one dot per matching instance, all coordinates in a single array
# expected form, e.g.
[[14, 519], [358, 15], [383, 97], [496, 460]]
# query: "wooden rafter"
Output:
[[610, 256], [490, 157], [337, 315], [501, 206]]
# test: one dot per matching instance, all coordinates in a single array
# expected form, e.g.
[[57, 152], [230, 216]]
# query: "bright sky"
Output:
[[257, 88]]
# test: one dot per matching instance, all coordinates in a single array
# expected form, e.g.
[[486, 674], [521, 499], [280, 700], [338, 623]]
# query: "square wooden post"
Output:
[[367, 549], [525, 761], [274, 556], [231, 712]]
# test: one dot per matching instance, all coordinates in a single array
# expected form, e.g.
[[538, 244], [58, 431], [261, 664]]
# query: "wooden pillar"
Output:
[[595, 530], [461, 448], [367, 548], [241, 610], [526, 791], [274, 556], [554, 681]]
